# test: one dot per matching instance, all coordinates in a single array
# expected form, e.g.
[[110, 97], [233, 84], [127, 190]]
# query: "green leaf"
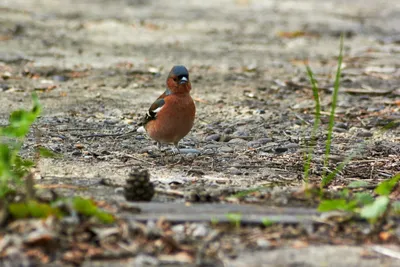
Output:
[[234, 218], [105, 217], [386, 187], [345, 193], [21, 167], [358, 184], [84, 206], [87, 207], [364, 198], [32, 209], [214, 221], [337, 204], [39, 210], [376, 209], [267, 222], [47, 153], [21, 120], [19, 210]]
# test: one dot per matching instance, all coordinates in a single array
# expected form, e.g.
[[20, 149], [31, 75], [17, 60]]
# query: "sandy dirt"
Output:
[[98, 65]]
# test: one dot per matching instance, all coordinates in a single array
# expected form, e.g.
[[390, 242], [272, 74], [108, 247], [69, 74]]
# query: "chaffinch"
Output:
[[171, 116]]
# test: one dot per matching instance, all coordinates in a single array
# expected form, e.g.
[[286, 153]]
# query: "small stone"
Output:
[[228, 131], [341, 125], [281, 149], [339, 130], [211, 146], [259, 111], [60, 78], [200, 231], [119, 190], [79, 146], [237, 141], [4, 87], [146, 260], [179, 228], [213, 137], [225, 149], [234, 171], [189, 151], [365, 133], [264, 140], [77, 153], [262, 243], [6, 75], [292, 146]]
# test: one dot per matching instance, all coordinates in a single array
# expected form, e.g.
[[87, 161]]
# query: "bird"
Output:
[[171, 116]]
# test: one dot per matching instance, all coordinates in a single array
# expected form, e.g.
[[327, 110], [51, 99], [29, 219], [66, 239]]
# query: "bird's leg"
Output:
[[159, 145], [177, 148], [162, 154]]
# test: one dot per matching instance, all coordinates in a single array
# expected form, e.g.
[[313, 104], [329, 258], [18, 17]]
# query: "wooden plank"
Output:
[[250, 214]]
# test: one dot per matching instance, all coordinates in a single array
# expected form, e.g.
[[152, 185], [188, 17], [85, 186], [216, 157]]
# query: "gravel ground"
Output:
[[97, 66]]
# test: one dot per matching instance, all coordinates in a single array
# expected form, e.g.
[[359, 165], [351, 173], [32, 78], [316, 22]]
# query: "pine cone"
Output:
[[138, 186]]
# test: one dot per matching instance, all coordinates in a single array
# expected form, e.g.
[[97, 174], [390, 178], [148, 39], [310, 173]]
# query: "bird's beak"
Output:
[[183, 80]]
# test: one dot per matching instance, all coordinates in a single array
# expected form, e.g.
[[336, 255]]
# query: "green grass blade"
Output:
[[328, 178], [317, 120], [333, 108]]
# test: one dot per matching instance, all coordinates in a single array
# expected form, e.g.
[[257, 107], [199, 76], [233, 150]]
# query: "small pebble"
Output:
[[234, 171], [200, 231], [264, 140], [213, 137], [339, 130], [189, 151], [225, 149], [4, 87], [119, 190], [211, 146], [281, 149], [292, 146], [79, 146], [237, 141], [259, 111], [365, 133], [341, 125], [76, 153], [262, 243], [228, 131], [146, 260], [6, 75], [60, 78], [179, 228]]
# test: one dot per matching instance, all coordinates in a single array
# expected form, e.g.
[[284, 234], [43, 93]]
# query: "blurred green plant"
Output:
[[82, 206], [234, 219], [267, 222], [13, 167], [32, 209], [88, 207], [326, 177], [364, 204]]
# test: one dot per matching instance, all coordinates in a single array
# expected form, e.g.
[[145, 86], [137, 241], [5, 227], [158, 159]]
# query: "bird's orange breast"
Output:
[[174, 121]]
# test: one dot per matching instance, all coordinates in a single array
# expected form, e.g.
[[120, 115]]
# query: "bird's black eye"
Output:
[[175, 79]]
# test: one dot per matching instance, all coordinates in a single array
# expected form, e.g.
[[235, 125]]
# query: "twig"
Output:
[[130, 156], [107, 135]]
